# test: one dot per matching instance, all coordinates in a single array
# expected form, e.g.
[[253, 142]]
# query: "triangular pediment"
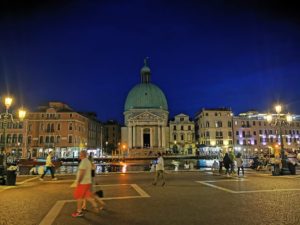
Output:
[[146, 116]]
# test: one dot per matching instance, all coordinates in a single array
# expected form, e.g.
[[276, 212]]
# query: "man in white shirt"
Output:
[[159, 170], [83, 185], [49, 166]]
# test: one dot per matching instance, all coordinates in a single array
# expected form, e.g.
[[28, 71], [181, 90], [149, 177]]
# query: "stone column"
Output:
[[142, 136], [134, 136], [151, 137], [163, 137], [159, 135], [129, 136]]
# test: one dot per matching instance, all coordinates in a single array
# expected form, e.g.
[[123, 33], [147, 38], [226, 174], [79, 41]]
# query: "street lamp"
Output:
[[280, 120], [106, 143], [5, 118]]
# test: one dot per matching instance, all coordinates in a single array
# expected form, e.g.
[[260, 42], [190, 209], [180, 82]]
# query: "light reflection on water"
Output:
[[133, 165]]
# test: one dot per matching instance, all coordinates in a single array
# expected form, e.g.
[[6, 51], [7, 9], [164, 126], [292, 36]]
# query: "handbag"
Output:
[[99, 193]]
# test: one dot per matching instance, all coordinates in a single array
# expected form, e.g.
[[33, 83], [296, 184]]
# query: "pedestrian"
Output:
[[49, 166], [232, 159], [93, 195], [227, 163], [186, 165], [221, 156], [215, 167], [159, 170], [239, 163], [83, 185], [33, 170]]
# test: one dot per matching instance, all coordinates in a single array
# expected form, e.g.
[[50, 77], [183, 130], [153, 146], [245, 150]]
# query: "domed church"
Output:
[[146, 117]]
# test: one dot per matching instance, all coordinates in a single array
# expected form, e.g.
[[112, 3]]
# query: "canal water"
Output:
[[133, 165]]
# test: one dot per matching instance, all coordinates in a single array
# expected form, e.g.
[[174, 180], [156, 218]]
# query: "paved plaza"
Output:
[[187, 198]]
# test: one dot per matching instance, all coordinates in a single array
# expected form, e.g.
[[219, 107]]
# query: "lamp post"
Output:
[[106, 143], [280, 120], [5, 118]]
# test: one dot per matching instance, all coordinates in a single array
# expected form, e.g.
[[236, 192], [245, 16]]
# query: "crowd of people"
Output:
[[230, 161]]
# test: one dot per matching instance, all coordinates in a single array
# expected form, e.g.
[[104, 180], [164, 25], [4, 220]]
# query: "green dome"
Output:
[[146, 95]]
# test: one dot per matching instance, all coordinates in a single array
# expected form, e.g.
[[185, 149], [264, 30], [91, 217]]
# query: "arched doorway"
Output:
[[146, 138]]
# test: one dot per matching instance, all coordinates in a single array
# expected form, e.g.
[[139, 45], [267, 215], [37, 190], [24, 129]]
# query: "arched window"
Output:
[[52, 139], [58, 126], [70, 139], [8, 138], [70, 126], [52, 127], [15, 138], [41, 139], [48, 127], [47, 139]]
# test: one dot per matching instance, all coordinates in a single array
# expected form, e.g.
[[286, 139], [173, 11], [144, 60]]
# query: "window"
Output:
[[42, 127], [70, 138], [229, 134], [14, 139], [259, 123], [182, 128], [174, 127], [254, 132], [47, 139], [243, 134], [174, 137], [253, 123], [41, 139], [237, 133], [48, 127], [182, 137], [71, 115], [58, 126], [207, 133], [219, 124], [189, 127], [206, 114], [229, 124], [207, 124], [219, 134], [20, 138], [70, 126], [52, 139], [52, 127], [181, 119]]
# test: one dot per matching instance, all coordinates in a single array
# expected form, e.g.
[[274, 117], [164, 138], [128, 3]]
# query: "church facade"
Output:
[[145, 117]]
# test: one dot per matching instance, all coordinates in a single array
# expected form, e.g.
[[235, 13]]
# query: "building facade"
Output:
[[214, 130], [145, 117], [15, 133], [253, 134], [57, 127], [182, 134]]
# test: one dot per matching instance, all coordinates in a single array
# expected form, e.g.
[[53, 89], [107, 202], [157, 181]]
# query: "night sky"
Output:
[[88, 54]]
